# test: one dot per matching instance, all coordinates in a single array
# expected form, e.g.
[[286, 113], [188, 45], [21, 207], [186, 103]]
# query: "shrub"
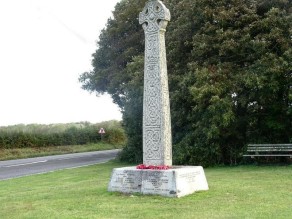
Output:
[[21, 136]]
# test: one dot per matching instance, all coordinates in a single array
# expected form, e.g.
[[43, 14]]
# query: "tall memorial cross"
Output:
[[157, 148], [157, 143]]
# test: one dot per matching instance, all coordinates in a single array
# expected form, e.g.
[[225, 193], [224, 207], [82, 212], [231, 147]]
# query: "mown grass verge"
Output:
[[235, 192], [18, 153]]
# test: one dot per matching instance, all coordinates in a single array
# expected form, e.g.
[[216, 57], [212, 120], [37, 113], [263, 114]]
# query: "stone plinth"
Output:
[[176, 182]]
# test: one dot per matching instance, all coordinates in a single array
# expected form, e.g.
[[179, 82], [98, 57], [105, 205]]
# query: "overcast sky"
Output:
[[44, 46]]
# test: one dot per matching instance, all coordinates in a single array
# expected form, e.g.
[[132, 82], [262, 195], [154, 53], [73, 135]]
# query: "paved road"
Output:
[[23, 167]]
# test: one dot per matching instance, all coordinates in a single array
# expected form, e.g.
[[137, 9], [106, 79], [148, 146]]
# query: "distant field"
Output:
[[18, 153], [235, 192]]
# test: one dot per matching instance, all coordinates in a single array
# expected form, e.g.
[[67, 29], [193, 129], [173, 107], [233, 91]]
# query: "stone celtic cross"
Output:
[[157, 143]]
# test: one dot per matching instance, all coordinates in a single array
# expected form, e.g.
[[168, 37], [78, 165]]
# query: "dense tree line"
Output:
[[230, 75], [35, 135]]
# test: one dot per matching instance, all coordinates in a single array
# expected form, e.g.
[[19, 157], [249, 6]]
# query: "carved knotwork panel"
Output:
[[153, 142]]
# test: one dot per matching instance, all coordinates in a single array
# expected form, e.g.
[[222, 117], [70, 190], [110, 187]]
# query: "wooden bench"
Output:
[[269, 150]]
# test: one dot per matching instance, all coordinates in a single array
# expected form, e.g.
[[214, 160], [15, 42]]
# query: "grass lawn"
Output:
[[235, 192], [18, 153]]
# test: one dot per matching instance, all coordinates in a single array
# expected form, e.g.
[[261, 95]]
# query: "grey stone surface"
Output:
[[126, 180], [175, 182], [157, 145]]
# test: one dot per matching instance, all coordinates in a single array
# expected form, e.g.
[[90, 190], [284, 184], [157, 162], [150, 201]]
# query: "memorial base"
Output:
[[175, 182]]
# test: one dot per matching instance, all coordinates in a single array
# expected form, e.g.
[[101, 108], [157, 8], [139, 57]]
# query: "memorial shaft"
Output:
[[157, 143]]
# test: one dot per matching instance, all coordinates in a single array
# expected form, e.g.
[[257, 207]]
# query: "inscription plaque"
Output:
[[157, 182], [126, 180]]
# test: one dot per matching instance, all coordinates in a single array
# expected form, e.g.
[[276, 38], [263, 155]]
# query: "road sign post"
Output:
[[101, 132]]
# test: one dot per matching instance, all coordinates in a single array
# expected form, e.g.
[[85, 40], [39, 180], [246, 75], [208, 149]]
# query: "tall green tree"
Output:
[[239, 78], [229, 66]]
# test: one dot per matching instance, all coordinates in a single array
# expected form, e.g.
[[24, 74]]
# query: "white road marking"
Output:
[[24, 164], [66, 158]]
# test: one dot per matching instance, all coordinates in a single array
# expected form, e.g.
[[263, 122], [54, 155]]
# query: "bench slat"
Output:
[[268, 149], [273, 146], [268, 155], [270, 145]]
